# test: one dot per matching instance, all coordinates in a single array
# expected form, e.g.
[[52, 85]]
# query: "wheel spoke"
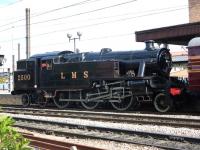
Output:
[[162, 103], [89, 105], [125, 104], [59, 103]]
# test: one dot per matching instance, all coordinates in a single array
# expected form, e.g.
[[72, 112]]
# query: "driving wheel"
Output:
[[59, 101]]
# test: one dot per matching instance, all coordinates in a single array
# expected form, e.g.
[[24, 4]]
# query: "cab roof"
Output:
[[50, 54]]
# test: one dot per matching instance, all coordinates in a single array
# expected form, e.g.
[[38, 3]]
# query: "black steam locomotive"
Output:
[[123, 78]]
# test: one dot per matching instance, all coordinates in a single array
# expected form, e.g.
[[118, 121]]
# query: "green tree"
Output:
[[10, 139]]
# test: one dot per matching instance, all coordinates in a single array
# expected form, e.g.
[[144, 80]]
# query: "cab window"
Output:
[[46, 65], [30, 65], [49, 64], [56, 60], [59, 59]]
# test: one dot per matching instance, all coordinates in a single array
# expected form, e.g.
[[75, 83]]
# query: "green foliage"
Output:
[[9, 138]]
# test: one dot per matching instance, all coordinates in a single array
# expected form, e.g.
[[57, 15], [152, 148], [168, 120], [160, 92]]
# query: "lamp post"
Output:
[[74, 39]]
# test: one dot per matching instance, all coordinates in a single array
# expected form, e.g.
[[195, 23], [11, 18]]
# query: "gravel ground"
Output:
[[133, 127], [109, 145]]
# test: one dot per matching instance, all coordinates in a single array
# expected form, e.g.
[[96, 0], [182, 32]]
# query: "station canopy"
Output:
[[178, 34]]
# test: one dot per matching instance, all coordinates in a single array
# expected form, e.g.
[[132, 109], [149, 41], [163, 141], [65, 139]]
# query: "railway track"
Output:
[[109, 117], [108, 133], [46, 143]]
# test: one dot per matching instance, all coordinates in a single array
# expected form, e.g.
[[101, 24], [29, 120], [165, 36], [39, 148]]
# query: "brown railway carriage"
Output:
[[194, 64]]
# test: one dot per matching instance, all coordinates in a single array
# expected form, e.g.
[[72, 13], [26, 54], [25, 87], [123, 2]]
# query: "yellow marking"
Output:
[[74, 75], [62, 76], [85, 74], [25, 77]]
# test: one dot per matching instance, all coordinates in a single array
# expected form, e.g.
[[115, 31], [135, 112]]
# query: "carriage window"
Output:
[[21, 65]]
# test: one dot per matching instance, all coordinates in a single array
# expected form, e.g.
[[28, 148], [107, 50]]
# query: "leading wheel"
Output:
[[25, 100], [89, 105], [123, 104], [162, 103], [59, 103]]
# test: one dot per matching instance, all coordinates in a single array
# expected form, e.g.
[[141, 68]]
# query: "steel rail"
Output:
[[125, 118], [156, 136], [46, 143]]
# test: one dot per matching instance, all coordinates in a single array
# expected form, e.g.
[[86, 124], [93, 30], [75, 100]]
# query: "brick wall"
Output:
[[194, 10]]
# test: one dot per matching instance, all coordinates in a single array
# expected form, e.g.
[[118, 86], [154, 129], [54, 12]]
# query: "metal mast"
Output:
[[28, 33]]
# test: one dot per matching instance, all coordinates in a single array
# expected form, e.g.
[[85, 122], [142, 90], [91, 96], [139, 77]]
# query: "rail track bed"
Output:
[[161, 120], [38, 120], [108, 133]]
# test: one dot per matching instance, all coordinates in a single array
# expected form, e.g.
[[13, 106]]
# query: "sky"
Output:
[[103, 23], [6, 2]]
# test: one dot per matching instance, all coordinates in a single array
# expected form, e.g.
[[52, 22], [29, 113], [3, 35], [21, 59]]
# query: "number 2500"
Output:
[[23, 77]]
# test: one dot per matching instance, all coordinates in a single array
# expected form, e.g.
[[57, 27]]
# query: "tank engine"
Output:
[[122, 78]]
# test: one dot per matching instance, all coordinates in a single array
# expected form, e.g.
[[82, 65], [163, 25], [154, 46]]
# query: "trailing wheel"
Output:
[[162, 103], [25, 100], [89, 105], [123, 104], [58, 101]]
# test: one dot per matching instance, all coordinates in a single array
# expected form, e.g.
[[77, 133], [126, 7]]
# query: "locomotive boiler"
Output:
[[121, 78]]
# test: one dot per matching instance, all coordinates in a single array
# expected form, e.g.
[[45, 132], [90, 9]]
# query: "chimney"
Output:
[[149, 45]]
